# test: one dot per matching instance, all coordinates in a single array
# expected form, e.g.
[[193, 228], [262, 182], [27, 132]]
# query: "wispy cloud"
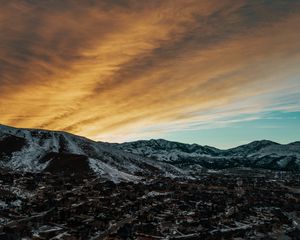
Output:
[[120, 69]]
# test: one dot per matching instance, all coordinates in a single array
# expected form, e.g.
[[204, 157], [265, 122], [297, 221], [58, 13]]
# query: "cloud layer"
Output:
[[115, 69]]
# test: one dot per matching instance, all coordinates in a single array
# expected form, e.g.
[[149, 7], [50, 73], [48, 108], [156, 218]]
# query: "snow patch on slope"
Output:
[[110, 172]]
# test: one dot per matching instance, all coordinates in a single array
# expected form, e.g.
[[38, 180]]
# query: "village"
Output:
[[228, 204]]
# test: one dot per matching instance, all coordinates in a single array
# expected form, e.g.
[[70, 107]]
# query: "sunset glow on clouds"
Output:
[[121, 70]]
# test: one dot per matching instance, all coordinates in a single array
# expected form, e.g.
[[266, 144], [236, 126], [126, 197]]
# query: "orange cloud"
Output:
[[114, 67]]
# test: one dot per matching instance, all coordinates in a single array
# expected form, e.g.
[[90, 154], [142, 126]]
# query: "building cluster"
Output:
[[231, 204]]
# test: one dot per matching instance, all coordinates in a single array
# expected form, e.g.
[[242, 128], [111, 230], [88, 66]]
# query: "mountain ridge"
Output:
[[208, 146], [152, 139], [39, 150]]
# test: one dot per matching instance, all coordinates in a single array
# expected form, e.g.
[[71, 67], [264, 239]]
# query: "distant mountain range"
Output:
[[60, 152], [258, 154]]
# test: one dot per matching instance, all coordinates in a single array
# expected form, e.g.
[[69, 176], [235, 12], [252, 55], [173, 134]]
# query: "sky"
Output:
[[219, 73]]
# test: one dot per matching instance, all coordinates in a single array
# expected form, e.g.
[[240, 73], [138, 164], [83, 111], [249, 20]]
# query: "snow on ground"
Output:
[[3, 205], [154, 194], [108, 171]]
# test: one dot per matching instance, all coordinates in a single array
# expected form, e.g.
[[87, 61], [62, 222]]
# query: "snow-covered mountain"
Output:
[[60, 152], [40, 150], [257, 154], [168, 151]]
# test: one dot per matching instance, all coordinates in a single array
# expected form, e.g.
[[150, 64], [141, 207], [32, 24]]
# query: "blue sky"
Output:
[[282, 127]]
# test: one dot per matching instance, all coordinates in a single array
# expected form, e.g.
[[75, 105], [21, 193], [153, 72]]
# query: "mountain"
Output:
[[58, 152], [257, 154], [36, 150]]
